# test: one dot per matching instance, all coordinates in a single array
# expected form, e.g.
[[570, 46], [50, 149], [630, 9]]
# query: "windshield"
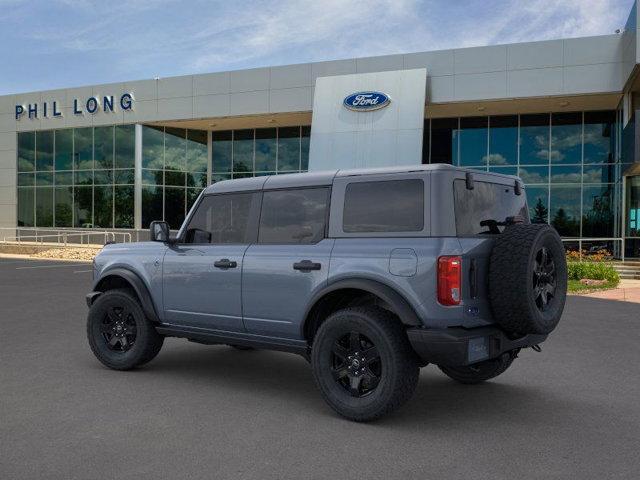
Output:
[[487, 201]]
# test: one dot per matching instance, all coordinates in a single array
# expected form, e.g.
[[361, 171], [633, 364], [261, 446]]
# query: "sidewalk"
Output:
[[627, 291]]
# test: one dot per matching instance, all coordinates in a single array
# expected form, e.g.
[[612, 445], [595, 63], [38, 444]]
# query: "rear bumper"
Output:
[[456, 347]]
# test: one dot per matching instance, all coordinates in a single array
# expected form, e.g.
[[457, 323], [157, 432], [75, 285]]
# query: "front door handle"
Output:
[[225, 263], [306, 266]]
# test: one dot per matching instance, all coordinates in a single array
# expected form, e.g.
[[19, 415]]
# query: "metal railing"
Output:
[[581, 241], [63, 237]]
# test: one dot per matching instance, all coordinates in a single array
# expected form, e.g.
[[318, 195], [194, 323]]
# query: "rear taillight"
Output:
[[449, 280]]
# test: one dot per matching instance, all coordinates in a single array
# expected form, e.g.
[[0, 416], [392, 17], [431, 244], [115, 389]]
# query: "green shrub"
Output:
[[593, 271]]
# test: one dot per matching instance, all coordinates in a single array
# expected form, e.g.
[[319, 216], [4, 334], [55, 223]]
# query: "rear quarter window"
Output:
[[487, 201], [384, 206]]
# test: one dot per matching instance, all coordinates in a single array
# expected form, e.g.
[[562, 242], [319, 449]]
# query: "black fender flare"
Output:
[[134, 280], [397, 302]]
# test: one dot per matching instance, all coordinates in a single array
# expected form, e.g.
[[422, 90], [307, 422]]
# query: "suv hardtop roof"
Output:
[[324, 178]]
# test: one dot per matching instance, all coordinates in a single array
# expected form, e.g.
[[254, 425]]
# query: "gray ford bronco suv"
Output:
[[369, 274]]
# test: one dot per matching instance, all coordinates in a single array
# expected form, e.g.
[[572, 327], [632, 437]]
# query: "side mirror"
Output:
[[159, 231]]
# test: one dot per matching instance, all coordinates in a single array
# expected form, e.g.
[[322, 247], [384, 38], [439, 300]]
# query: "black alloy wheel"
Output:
[[119, 329], [356, 364], [544, 279]]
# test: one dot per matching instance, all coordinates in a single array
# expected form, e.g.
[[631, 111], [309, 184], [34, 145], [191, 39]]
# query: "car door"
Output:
[[289, 262], [202, 273]]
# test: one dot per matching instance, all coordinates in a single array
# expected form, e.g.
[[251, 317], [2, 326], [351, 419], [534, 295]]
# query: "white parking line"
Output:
[[51, 266], [82, 271]]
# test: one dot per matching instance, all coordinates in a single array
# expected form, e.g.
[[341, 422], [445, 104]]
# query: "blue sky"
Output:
[[47, 44]]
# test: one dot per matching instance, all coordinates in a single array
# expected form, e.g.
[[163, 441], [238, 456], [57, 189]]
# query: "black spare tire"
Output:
[[528, 278]]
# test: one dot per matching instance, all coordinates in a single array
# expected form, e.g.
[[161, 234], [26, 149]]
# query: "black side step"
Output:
[[216, 337]]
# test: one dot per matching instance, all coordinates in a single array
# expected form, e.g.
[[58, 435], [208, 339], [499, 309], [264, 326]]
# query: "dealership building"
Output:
[[558, 113]]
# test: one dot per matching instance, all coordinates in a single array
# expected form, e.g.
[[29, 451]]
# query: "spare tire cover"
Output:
[[528, 278]]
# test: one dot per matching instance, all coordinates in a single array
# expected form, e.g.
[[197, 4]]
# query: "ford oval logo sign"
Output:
[[366, 101]]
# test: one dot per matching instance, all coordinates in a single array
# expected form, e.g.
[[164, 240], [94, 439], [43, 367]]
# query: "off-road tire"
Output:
[[480, 372], [514, 277], [148, 341], [397, 362]]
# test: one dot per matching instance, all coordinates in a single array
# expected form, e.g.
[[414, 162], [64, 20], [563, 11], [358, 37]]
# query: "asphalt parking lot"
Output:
[[571, 411]]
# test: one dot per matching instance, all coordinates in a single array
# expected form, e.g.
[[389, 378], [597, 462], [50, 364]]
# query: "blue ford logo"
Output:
[[366, 101]]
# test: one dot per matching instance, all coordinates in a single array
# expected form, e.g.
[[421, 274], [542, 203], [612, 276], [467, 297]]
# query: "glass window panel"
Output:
[[126, 176], [198, 179], [123, 206], [534, 139], [82, 206], [566, 138], [599, 137], [44, 150], [174, 206], [44, 206], [565, 210], [571, 174], [305, 140], [175, 149], [26, 179], [242, 175], [221, 146], [289, 149], [151, 205], [504, 170], [192, 196], [64, 206], [197, 151], [152, 147], [386, 206], [64, 149], [64, 178], [538, 202], [125, 150], [152, 177], [597, 211], [220, 178], [26, 202], [44, 179], [224, 219], [103, 207], [294, 216], [503, 140], [243, 151], [534, 174], [103, 147], [83, 177], [444, 145], [472, 138], [102, 177], [605, 173], [26, 151], [266, 149], [83, 148], [176, 179]]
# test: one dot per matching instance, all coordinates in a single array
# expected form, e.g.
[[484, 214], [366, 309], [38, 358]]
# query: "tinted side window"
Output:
[[294, 216], [386, 206], [224, 219]]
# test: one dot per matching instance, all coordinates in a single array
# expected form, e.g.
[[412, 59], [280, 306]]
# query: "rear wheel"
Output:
[[480, 372], [363, 363], [119, 334]]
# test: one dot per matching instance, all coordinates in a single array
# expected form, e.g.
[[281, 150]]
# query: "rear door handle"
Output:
[[306, 265], [225, 263]]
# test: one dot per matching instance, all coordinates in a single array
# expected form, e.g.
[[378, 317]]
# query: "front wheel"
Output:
[[119, 333], [363, 363], [480, 372]]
